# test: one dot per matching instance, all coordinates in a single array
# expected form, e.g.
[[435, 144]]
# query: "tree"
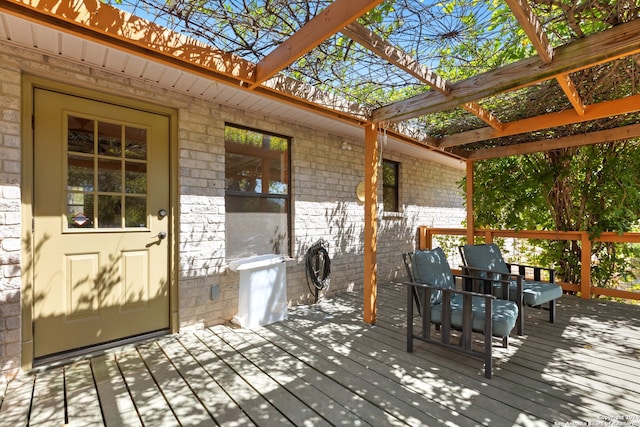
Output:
[[593, 188]]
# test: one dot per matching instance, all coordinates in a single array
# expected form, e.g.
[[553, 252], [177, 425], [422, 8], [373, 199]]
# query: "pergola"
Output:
[[580, 74]]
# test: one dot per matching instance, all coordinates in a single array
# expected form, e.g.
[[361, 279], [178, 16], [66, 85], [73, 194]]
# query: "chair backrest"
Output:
[[486, 257], [431, 268]]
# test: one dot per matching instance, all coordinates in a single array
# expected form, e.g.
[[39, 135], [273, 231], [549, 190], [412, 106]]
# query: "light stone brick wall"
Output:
[[324, 203], [10, 243]]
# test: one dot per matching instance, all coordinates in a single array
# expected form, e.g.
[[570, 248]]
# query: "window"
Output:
[[106, 180], [256, 192], [390, 185]]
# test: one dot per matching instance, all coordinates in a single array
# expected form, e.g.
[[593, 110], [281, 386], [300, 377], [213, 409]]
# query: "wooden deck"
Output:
[[324, 366]]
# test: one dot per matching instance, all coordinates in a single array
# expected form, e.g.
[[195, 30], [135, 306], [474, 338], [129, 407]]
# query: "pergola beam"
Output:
[[331, 20], [371, 41], [591, 138], [601, 110], [614, 43], [533, 28]]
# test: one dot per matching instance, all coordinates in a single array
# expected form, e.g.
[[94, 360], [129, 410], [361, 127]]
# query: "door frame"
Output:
[[29, 83]]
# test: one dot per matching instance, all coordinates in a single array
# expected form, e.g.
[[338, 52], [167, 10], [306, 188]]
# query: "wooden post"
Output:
[[371, 159], [470, 217], [585, 266]]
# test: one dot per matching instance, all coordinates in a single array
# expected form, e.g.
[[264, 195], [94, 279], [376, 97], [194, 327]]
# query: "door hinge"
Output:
[[33, 225]]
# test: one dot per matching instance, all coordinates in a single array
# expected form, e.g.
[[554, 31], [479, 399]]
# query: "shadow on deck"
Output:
[[324, 366]]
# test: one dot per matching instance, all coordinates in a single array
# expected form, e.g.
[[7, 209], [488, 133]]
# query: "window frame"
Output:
[[395, 187], [264, 194]]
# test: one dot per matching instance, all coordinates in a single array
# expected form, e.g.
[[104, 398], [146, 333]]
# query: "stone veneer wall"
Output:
[[324, 178]]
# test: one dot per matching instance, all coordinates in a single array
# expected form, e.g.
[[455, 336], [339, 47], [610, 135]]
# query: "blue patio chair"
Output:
[[479, 259], [432, 288]]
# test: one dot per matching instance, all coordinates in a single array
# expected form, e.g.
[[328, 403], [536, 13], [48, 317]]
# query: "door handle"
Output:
[[160, 236]]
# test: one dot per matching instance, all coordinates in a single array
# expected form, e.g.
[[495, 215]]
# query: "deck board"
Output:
[[48, 405], [150, 404], [325, 366], [254, 405], [14, 409], [117, 407], [277, 363], [83, 405], [185, 405], [222, 408]]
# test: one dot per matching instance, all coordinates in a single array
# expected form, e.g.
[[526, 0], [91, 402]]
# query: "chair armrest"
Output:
[[493, 278], [453, 291], [537, 276]]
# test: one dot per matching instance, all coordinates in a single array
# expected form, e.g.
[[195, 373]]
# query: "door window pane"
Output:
[[109, 175], [80, 135], [109, 139], [79, 210], [136, 211], [80, 173], [135, 176], [135, 143], [109, 211]]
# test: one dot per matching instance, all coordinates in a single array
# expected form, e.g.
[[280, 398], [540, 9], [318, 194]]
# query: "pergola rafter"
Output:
[[614, 43], [533, 28], [402, 60], [591, 138], [335, 17]]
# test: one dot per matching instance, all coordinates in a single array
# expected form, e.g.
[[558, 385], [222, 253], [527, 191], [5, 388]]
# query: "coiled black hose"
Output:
[[318, 266]]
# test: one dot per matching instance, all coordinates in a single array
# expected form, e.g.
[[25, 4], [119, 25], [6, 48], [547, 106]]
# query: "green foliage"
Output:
[[592, 188]]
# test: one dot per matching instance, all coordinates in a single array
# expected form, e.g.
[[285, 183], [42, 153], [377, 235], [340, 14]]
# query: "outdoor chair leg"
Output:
[[552, 311], [410, 319], [488, 354], [520, 321]]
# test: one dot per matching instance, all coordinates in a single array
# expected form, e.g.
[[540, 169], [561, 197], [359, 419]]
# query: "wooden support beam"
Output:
[[471, 223], [585, 266], [614, 43], [376, 44], [371, 158], [533, 28], [571, 91], [591, 138], [630, 104], [336, 16]]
